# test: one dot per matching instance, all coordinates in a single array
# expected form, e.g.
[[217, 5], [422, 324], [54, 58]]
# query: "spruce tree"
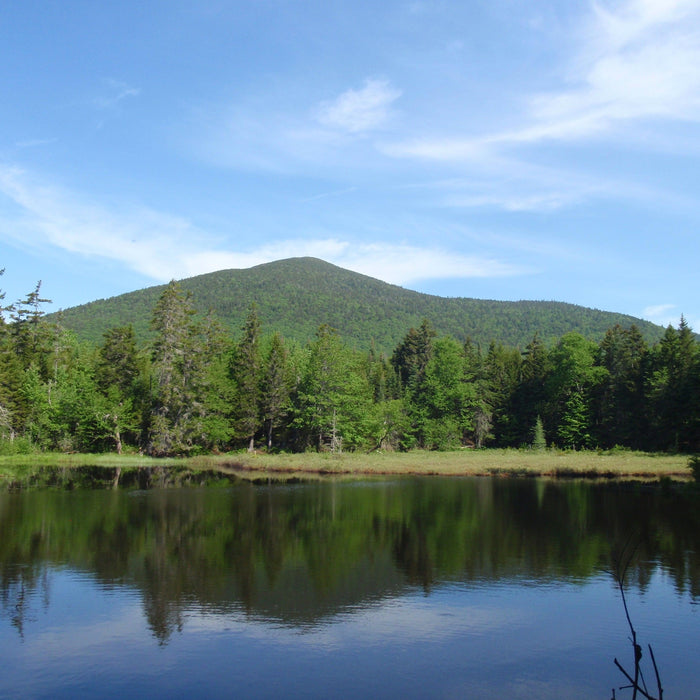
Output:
[[275, 386], [178, 375], [245, 371]]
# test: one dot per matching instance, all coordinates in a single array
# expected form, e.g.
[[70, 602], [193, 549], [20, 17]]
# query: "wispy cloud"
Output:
[[360, 110], [162, 247], [34, 143], [404, 264], [118, 91], [662, 314], [631, 71], [149, 242], [633, 62]]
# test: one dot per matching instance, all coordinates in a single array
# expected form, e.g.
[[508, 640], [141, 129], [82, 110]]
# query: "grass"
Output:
[[615, 464]]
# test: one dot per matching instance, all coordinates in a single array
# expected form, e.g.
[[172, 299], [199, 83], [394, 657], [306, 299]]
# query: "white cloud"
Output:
[[373, 624], [635, 61], [405, 264], [147, 241], [162, 247], [668, 315], [360, 110], [658, 310], [662, 314]]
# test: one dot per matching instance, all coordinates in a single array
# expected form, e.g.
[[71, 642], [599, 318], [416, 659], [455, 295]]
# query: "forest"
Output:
[[297, 295], [194, 387]]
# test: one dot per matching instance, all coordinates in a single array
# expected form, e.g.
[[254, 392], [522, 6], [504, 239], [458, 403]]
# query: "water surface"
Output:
[[433, 587]]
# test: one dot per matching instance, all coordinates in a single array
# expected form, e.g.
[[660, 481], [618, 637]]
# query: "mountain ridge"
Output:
[[296, 295]]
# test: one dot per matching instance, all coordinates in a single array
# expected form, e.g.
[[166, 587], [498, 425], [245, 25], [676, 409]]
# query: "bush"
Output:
[[18, 446], [694, 466]]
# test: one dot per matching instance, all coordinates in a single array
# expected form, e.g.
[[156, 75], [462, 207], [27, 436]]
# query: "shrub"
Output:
[[694, 466], [18, 446]]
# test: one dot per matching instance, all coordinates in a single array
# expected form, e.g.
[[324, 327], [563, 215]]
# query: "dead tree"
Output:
[[621, 561]]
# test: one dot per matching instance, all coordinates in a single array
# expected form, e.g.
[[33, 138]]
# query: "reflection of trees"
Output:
[[17, 588], [299, 552]]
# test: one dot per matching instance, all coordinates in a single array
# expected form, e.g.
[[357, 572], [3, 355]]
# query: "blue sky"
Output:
[[499, 149]]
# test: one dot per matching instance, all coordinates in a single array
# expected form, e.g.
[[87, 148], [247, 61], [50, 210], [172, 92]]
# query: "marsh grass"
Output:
[[615, 464]]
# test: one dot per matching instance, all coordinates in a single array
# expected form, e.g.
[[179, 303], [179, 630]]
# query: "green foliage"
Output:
[[333, 396], [694, 466], [539, 440], [623, 353], [275, 386], [246, 369], [296, 296], [16, 446], [195, 388], [179, 372]]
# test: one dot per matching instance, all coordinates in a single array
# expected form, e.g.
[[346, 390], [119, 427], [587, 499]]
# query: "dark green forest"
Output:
[[194, 386], [296, 296]]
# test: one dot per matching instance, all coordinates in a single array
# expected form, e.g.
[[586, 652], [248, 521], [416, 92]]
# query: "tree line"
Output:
[[195, 388]]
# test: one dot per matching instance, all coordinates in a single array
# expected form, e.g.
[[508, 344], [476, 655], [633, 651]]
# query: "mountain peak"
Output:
[[296, 295]]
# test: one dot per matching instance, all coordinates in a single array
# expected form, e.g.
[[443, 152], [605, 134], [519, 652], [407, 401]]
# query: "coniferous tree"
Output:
[[275, 386], [622, 419], [178, 375], [501, 375], [31, 334], [539, 440], [673, 380], [410, 361], [245, 371], [118, 363], [219, 391], [117, 375], [411, 357], [528, 398]]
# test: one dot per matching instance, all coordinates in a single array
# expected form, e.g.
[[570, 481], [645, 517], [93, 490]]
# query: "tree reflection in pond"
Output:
[[302, 552]]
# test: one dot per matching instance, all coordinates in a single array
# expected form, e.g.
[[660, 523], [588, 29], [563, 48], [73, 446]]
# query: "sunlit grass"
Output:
[[618, 464]]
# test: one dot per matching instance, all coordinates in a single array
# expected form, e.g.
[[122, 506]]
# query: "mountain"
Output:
[[297, 295]]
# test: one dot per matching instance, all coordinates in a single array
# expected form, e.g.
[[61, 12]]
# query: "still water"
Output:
[[411, 588]]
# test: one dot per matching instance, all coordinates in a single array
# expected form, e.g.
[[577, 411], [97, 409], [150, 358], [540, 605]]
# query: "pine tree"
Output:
[[31, 334], [528, 398], [411, 357], [219, 391], [539, 440], [673, 386], [501, 374], [117, 375], [118, 363], [245, 371], [620, 399], [275, 386], [178, 370]]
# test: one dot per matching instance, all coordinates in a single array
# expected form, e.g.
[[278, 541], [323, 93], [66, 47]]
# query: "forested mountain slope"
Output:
[[297, 295]]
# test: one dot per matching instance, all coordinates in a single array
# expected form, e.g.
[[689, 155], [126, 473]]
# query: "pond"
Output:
[[411, 587]]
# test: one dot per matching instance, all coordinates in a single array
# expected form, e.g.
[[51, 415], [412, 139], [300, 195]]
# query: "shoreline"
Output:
[[612, 465]]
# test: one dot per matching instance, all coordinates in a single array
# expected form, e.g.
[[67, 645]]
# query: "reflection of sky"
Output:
[[505, 640]]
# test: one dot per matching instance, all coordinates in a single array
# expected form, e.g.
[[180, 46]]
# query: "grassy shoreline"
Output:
[[616, 464]]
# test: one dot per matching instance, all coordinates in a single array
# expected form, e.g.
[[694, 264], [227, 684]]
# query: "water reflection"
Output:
[[411, 587], [300, 554]]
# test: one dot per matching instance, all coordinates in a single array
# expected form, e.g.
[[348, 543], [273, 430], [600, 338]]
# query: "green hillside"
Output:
[[297, 295]]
